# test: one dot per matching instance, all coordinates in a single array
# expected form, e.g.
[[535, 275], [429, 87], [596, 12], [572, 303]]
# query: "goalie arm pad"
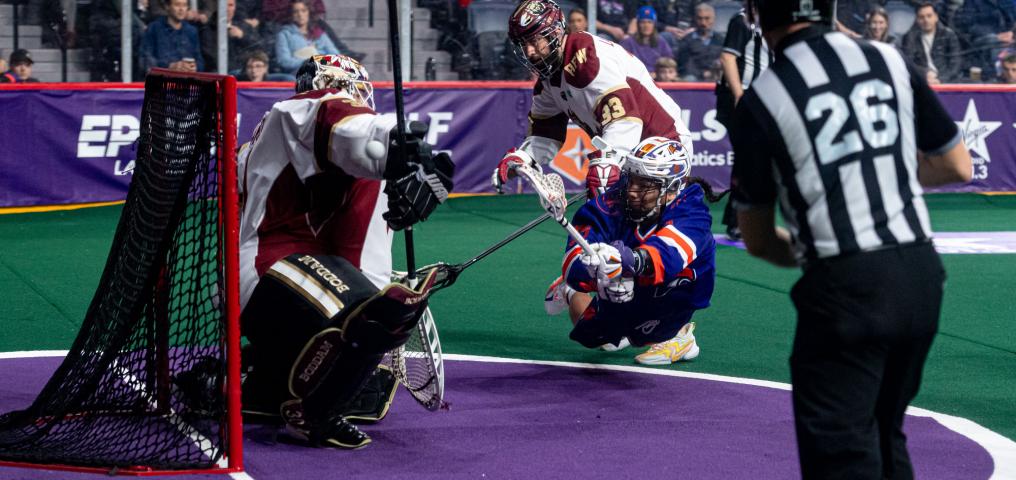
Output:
[[354, 138]]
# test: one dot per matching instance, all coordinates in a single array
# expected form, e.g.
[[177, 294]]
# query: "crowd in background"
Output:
[[954, 41]]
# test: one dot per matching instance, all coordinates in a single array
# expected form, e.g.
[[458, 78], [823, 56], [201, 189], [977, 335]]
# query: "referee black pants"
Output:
[[865, 325]]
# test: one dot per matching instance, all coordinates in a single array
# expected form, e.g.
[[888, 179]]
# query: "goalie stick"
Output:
[[400, 121]]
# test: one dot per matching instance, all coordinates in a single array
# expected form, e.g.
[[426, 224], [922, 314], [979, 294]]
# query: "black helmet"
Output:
[[777, 13]]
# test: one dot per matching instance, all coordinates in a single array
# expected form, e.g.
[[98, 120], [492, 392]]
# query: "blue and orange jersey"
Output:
[[680, 245]]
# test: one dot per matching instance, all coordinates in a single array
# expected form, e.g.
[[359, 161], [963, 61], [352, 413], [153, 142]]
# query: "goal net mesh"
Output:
[[144, 383]]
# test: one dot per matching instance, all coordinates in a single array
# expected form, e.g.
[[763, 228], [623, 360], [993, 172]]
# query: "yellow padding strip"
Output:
[[55, 208]]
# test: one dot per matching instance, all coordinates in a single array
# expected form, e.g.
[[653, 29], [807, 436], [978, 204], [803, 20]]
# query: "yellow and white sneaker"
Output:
[[680, 348]]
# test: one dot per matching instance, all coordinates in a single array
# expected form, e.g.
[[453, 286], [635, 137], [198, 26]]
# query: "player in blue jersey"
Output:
[[655, 259]]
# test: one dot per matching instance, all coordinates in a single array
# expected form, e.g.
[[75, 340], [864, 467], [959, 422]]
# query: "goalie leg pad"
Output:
[[336, 363], [296, 298], [372, 403]]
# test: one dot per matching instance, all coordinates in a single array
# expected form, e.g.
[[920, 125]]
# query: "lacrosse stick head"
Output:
[[445, 274], [550, 189]]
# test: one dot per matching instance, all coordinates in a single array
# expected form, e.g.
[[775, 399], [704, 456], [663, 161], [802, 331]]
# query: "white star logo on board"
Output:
[[975, 132]]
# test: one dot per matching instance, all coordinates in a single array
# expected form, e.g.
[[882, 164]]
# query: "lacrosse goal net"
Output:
[[151, 382]]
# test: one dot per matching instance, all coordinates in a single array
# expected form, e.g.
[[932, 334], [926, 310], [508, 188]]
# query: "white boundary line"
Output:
[[1001, 449]]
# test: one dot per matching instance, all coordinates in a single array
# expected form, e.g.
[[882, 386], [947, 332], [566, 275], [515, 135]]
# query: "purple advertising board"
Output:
[[68, 145]]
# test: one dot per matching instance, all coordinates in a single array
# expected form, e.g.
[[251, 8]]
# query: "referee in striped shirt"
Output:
[[745, 56], [845, 134]]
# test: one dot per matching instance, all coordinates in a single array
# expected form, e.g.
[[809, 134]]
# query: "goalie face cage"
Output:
[[151, 383]]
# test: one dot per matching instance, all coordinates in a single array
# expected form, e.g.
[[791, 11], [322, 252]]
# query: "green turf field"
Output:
[[50, 264]]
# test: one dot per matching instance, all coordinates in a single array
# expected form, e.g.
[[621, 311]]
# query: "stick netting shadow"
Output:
[[143, 382]]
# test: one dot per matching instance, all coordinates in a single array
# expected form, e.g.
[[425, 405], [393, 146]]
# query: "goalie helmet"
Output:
[[336, 71], [532, 21], [777, 13], [656, 163]]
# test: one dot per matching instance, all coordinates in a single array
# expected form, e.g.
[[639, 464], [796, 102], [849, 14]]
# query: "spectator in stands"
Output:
[[104, 37], [243, 39], [278, 12], [612, 19], [877, 26], [986, 27], [676, 19], [1008, 74], [3, 64], [281, 11], [145, 10], [932, 46], [250, 11], [577, 21], [21, 68], [301, 39], [699, 51], [665, 70], [646, 44], [203, 14], [256, 67], [171, 42]]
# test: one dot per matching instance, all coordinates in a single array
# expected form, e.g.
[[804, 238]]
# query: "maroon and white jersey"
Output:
[[607, 92], [307, 185]]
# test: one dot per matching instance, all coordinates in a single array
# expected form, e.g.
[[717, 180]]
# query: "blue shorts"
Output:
[[608, 322]]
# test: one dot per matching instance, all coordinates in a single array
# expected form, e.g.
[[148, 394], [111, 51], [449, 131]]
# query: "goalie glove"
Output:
[[505, 170], [606, 265], [604, 171], [415, 187], [417, 151], [413, 197]]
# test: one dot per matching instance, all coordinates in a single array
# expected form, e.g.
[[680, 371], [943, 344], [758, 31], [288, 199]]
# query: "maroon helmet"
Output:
[[533, 19]]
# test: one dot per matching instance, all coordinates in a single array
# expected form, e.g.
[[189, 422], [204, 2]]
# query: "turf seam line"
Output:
[[754, 284], [976, 342], [31, 285], [499, 220]]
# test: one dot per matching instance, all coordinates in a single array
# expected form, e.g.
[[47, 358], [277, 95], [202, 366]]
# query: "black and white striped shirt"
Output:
[[833, 129], [744, 41]]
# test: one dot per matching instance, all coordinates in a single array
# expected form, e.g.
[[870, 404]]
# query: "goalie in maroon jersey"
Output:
[[594, 83], [323, 186]]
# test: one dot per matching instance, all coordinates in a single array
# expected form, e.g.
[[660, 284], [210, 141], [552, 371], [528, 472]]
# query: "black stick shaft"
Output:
[[400, 121], [516, 234]]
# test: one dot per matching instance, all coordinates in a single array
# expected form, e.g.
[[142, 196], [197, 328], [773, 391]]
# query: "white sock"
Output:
[[568, 293]]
